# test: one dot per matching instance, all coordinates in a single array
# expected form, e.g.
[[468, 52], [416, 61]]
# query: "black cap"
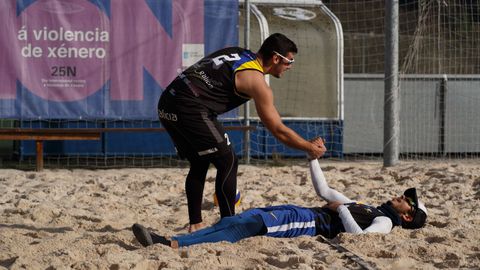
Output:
[[419, 213]]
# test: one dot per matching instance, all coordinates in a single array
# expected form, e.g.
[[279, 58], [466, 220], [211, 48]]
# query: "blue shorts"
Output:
[[285, 220]]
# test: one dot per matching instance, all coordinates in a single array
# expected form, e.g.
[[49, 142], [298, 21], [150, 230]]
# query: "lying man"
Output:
[[340, 214]]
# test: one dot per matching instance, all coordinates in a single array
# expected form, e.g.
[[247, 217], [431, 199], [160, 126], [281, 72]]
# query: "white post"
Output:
[[246, 113]]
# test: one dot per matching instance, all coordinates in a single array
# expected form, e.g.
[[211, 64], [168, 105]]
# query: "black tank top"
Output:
[[211, 81], [329, 224], [363, 214]]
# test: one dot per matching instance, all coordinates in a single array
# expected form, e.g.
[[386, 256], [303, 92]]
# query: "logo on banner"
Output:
[[63, 49]]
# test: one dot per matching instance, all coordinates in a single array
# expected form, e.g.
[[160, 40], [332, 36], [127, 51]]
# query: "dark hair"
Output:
[[279, 43], [418, 221]]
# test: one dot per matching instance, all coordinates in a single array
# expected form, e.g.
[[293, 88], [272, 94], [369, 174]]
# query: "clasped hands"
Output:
[[318, 148]]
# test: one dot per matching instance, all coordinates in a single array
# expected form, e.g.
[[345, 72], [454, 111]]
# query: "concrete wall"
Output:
[[419, 115]]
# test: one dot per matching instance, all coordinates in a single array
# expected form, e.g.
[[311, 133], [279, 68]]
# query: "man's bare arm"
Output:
[[252, 83]]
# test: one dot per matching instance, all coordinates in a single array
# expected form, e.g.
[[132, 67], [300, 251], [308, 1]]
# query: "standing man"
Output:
[[218, 83]]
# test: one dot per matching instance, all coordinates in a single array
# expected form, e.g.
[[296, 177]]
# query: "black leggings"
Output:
[[225, 184]]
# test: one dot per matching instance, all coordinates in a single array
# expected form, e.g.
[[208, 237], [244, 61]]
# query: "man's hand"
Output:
[[318, 148], [333, 205]]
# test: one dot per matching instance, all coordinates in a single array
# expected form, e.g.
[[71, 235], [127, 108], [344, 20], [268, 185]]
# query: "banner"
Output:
[[102, 59]]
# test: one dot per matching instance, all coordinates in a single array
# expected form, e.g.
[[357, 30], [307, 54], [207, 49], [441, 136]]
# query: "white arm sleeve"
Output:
[[348, 222], [321, 186], [379, 224]]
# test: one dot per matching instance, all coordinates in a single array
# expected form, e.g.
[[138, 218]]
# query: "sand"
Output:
[[81, 219]]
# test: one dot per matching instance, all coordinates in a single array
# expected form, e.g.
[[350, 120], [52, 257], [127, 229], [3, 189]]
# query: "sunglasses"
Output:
[[410, 202], [288, 61]]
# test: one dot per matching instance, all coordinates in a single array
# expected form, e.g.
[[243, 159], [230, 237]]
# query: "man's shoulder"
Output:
[[231, 50]]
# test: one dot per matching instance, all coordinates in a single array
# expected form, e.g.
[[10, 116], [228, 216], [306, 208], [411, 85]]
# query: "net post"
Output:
[[391, 129], [443, 109], [246, 112]]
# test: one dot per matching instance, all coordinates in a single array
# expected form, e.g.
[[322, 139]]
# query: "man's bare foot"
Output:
[[174, 244], [195, 227]]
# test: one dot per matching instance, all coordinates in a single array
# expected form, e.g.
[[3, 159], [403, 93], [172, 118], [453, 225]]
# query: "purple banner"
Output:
[[99, 59]]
